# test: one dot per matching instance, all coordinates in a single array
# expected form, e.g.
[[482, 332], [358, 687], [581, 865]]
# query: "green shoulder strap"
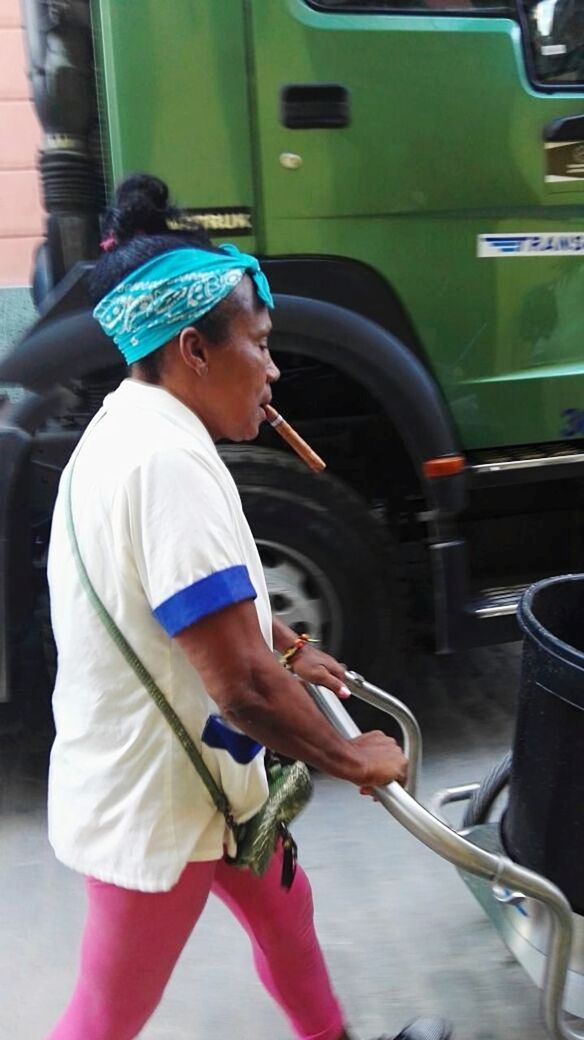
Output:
[[138, 668]]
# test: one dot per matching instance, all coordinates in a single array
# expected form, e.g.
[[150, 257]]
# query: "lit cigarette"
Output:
[[294, 439]]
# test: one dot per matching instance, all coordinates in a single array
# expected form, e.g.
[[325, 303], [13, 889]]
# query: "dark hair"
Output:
[[139, 225]]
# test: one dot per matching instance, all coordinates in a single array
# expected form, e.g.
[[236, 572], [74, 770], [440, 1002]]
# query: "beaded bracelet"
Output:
[[288, 655]]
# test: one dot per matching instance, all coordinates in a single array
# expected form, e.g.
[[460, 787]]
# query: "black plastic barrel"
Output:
[[543, 827]]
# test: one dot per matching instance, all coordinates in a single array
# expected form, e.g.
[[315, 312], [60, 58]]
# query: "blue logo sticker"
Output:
[[536, 243]]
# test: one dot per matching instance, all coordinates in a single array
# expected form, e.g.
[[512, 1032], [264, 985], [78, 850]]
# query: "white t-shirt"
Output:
[[163, 537]]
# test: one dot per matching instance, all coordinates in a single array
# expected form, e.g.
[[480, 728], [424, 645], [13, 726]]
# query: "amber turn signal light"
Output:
[[446, 466]]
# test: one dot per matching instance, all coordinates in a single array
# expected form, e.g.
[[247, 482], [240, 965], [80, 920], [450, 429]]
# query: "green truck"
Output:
[[412, 174]]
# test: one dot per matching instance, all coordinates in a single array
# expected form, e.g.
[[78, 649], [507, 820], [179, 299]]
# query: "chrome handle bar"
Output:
[[453, 847]]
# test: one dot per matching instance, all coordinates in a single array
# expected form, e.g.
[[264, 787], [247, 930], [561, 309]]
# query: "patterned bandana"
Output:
[[170, 292]]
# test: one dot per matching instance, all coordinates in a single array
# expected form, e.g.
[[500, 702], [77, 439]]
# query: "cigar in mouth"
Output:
[[288, 433]]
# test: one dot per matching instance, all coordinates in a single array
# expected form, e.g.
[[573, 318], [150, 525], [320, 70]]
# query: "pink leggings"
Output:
[[132, 941]]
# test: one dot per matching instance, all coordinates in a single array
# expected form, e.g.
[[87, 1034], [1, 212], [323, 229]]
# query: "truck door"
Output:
[[434, 141], [173, 101]]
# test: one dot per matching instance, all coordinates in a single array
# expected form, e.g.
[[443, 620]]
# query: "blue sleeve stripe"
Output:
[[219, 735], [204, 597]]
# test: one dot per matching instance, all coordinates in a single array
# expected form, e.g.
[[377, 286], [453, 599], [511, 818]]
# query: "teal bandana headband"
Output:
[[170, 292]]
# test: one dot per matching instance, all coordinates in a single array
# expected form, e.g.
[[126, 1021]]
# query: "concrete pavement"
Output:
[[400, 931]]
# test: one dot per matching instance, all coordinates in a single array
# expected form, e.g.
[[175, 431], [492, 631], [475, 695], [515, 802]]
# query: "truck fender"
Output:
[[340, 280], [54, 351], [74, 345], [391, 373]]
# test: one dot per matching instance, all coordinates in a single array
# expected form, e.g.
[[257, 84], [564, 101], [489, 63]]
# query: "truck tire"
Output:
[[327, 560]]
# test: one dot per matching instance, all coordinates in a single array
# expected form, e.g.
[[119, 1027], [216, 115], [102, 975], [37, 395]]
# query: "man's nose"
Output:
[[272, 371]]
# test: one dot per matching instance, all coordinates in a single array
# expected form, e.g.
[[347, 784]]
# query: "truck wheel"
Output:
[[326, 560]]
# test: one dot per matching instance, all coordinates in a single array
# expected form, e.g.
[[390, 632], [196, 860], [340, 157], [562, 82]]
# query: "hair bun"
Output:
[[140, 207]]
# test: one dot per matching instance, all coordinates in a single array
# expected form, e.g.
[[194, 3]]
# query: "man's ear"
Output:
[[193, 349]]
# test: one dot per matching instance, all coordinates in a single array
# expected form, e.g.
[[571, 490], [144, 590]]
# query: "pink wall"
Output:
[[21, 215]]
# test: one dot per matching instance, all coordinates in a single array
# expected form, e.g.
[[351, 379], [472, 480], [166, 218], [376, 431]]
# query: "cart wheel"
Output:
[[484, 798]]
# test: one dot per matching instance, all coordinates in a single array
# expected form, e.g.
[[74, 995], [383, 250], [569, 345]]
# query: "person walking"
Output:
[[164, 540]]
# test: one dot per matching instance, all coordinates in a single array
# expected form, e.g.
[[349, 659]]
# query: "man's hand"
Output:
[[314, 666], [383, 760], [309, 664]]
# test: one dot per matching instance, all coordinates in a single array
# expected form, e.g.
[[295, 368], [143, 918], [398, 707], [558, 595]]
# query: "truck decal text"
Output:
[[532, 243], [232, 220]]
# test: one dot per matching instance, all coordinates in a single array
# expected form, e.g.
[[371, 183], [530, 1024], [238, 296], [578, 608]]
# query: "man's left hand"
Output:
[[314, 666]]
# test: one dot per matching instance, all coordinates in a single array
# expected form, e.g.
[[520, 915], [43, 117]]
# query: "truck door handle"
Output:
[[313, 106], [571, 128]]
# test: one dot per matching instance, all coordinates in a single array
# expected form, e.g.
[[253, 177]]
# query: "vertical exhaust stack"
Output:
[[61, 70]]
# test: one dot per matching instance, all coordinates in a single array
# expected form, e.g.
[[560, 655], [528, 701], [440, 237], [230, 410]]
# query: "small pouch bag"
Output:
[[290, 785], [290, 788]]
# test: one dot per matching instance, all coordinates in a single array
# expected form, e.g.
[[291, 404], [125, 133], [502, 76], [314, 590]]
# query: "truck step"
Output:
[[501, 601], [541, 462]]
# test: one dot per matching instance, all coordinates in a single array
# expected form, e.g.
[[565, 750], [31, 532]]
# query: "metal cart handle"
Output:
[[454, 848]]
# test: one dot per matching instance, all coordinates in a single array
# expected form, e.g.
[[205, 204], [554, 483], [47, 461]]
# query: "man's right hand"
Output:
[[381, 761]]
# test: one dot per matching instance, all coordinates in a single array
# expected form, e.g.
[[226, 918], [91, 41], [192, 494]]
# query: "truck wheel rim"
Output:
[[301, 595]]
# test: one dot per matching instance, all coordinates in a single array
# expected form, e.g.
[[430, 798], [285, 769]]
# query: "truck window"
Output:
[[413, 6], [556, 40]]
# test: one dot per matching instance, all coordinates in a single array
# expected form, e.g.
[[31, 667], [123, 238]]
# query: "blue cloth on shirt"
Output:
[[220, 735], [203, 597]]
